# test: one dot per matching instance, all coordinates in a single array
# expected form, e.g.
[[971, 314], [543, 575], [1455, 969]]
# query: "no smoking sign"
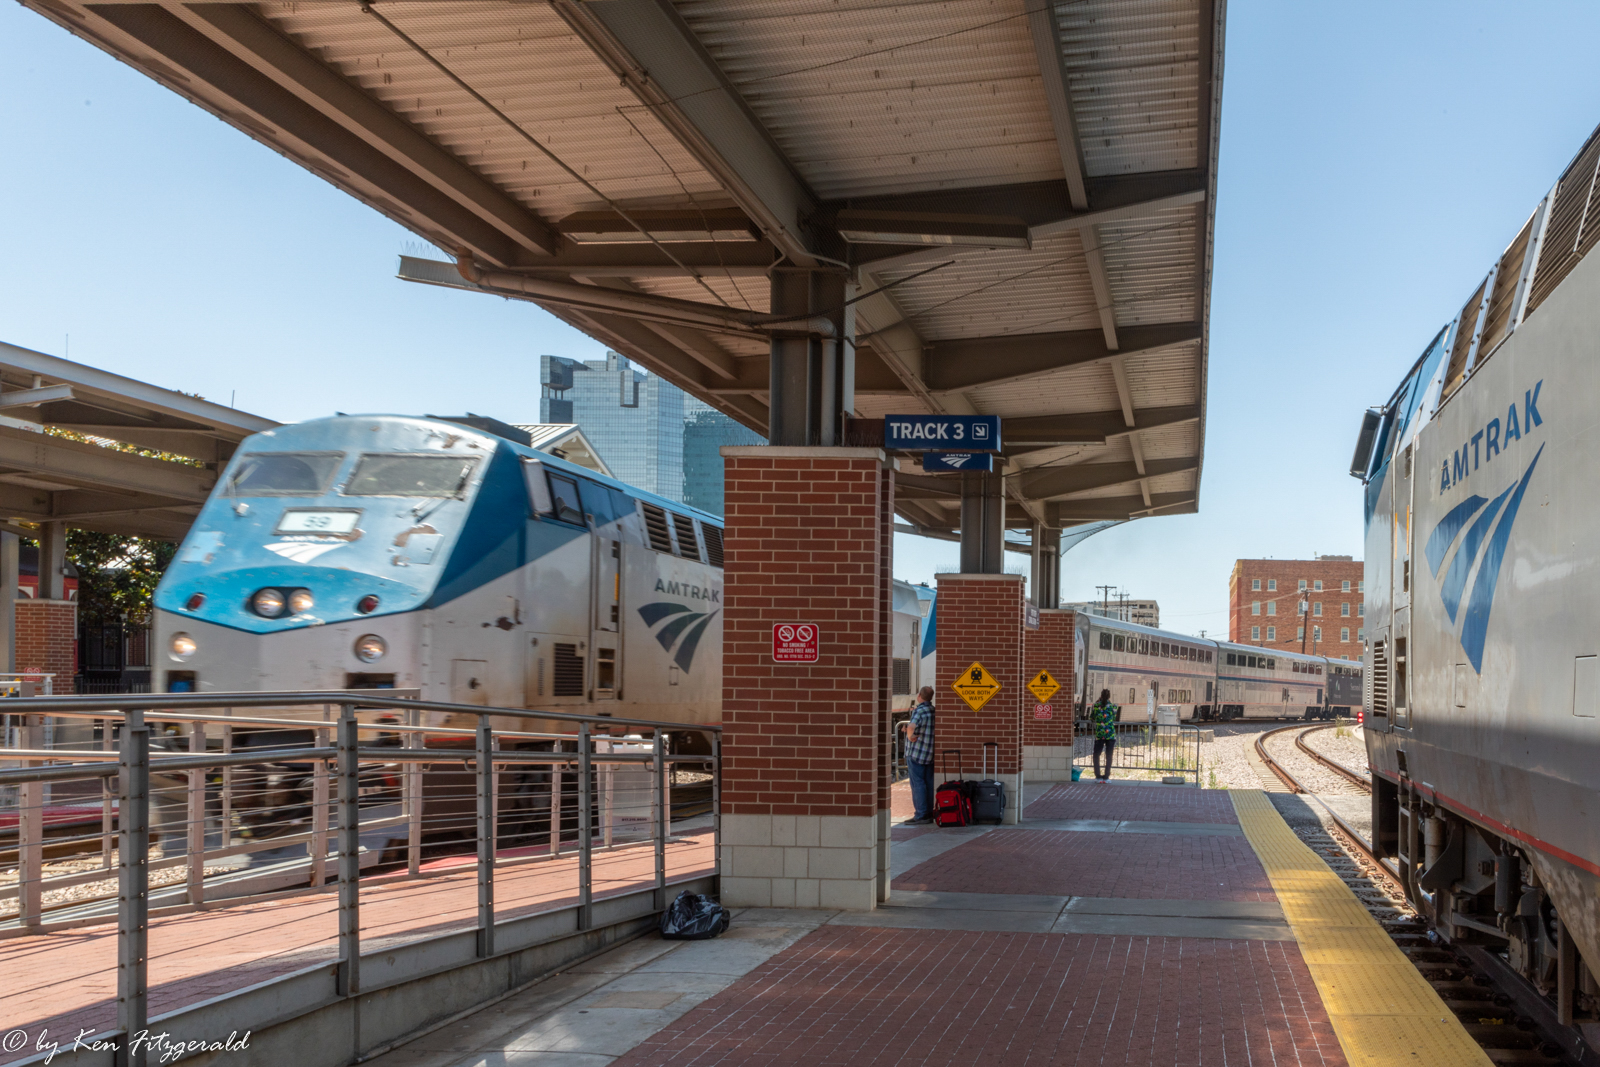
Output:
[[796, 642]]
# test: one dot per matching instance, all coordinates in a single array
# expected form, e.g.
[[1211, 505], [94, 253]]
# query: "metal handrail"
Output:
[[339, 765]]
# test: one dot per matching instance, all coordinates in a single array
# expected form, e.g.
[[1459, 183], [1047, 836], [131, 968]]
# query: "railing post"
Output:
[[227, 784], [585, 831], [349, 855], [413, 796], [318, 849], [197, 818], [485, 838], [108, 792], [659, 830], [716, 810], [133, 879], [30, 833], [555, 803]]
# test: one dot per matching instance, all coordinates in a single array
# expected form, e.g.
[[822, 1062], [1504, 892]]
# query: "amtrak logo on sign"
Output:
[[1485, 576], [684, 627]]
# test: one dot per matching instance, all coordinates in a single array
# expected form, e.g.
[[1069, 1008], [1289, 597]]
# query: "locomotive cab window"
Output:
[[564, 499], [283, 473], [391, 474]]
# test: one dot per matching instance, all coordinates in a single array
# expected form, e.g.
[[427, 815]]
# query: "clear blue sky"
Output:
[[1376, 157]]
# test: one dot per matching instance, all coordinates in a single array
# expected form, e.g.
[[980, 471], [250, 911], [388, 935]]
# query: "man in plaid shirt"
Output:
[[919, 755]]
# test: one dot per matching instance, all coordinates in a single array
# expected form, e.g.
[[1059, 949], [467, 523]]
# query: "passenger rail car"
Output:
[[1207, 680], [1482, 576]]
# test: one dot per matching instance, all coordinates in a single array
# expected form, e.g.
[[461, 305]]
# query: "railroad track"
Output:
[[1486, 1007]]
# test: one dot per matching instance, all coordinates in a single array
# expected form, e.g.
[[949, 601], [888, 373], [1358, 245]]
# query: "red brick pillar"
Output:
[[981, 620], [1047, 743], [807, 539], [47, 640]]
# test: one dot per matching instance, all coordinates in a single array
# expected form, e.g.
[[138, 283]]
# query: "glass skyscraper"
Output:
[[650, 433]]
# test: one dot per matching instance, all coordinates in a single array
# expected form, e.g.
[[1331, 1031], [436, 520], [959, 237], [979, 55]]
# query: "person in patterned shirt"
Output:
[[1103, 717], [919, 756]]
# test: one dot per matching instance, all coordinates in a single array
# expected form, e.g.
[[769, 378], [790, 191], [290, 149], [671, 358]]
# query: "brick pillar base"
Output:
[[805, 794], [1047, 743], [47, 640], [981, 620]]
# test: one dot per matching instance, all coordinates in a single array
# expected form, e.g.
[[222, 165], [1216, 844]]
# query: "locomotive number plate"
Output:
[[318, 521]]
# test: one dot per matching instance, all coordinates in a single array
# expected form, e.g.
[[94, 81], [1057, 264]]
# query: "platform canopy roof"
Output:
[[133, 458], [1022, 191]]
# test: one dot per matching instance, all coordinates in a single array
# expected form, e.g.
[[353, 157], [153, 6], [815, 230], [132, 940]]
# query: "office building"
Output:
[[1264, 598], [650, 433], [1142, 612]]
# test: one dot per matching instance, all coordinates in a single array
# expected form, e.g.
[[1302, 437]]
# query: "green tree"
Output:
[[117, 575]]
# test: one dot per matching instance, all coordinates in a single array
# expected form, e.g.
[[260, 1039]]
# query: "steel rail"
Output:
[[1363, 780], [1261, 750]]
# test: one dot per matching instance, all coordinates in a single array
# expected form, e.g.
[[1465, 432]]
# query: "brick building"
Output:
[[1264, 597]]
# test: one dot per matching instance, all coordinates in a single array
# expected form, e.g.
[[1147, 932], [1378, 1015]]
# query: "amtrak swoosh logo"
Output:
[[302, 551], [684, 628], [1468, 564]]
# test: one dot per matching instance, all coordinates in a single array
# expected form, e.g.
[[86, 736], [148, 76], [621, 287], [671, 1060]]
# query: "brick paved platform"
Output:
[[67, 980], [1144, 803]]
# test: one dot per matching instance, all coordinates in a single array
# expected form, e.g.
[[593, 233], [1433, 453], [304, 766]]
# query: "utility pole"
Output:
[[1105, 598], [1305, 620]]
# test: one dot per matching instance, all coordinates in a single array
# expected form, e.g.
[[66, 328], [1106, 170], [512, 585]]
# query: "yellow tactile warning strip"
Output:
[[1381, 1008]]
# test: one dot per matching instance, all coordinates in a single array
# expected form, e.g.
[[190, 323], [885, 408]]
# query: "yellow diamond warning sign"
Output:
[[975, 685], [1044, 687]]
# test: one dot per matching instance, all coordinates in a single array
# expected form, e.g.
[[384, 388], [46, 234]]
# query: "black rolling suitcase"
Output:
[[989, 794]]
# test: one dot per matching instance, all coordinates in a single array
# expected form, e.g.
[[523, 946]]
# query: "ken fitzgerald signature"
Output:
[[161, 1047]]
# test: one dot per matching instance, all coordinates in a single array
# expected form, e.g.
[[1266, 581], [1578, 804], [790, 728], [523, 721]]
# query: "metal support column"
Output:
[[716, 811], [813, 375], [349, 855], [485, 839], [585, 850], [52, 560], [8, 601], [133, 883], [983, 523], [659, 767], [1046, 577]]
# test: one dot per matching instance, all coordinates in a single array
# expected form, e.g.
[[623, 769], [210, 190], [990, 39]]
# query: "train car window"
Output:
[[1231, 658], [688, 547], [1251, 661], [1272, 664], [1105, 640], [1116, 643], [283, 473], [655, 527], [391, 474], [1144, 646], [564, 500]]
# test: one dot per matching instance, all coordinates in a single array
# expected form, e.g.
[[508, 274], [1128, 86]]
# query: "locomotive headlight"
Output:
[[370, 648], [300, 601], [267, 603], [182, 646]]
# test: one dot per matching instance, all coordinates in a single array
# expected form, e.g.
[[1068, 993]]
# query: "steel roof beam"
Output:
[[58, 459], [239, 30], [1066, 481], [246, 98], [742, 259], [649, 46], [1045, 207], [1098, 509], [1096, 427], [978, 361]]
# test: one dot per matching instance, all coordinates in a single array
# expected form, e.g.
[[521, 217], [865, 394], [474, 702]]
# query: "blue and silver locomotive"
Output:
[[373, 551]]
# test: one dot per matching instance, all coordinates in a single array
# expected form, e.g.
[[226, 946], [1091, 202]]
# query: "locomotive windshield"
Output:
[[283, 473], [387, 474]]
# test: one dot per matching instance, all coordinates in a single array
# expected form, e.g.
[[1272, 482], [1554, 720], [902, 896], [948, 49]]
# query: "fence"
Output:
[[1155, 749], [171, 803]]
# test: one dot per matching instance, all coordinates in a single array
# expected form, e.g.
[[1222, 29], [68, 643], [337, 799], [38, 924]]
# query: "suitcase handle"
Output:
[[985, 770], [944, 761]]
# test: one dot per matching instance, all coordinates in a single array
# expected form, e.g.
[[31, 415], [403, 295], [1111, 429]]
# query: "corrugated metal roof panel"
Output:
[[869, 98], [1151, 269], [524, 60], [1133, 69]]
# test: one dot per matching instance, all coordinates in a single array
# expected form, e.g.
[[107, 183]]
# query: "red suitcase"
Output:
[[952, 801]]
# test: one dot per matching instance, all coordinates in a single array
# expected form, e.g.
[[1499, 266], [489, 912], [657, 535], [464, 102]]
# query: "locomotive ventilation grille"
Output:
[[568, 672], [1574, 226], [1377, 680], [688, 547], [902, 677], [655, 524], [713, 545]]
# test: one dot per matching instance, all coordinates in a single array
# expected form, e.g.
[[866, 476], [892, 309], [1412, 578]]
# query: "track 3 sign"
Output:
[[941, 433], [975, 685], [796, 642]]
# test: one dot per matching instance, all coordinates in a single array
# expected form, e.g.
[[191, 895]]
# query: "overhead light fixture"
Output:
[[860, 226]]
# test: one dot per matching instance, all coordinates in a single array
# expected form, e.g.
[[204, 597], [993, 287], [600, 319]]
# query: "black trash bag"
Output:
[[693, 917]]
